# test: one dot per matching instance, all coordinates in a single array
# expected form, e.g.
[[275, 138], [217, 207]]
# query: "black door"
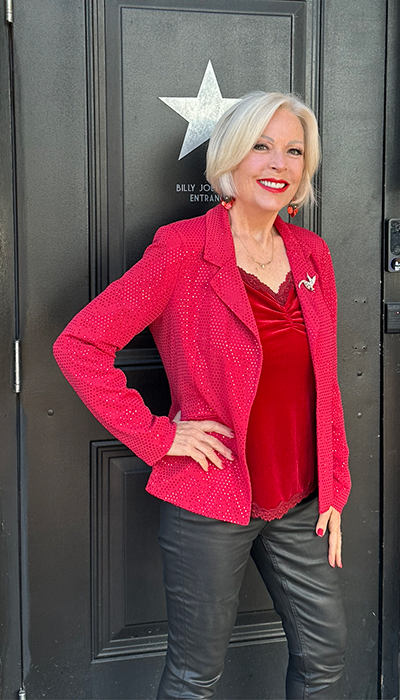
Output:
[[110, 143]]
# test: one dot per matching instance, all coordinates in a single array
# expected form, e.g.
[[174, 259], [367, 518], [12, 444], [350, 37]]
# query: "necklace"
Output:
[[263, 265]]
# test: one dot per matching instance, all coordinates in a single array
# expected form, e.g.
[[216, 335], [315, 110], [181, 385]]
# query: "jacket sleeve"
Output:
[[341, 474], [85, 350]]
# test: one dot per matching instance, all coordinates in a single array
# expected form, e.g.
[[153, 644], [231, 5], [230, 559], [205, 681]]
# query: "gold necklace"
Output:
[[263, 265]]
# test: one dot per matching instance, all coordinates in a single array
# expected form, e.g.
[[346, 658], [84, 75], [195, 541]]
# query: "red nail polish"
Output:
[[320, 532]]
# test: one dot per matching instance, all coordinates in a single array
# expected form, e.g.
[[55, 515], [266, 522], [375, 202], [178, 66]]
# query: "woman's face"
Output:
[[269, 176]]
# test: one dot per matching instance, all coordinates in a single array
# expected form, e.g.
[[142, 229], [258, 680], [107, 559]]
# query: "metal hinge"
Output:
[[22, 694], [9, 11], [17, 367]]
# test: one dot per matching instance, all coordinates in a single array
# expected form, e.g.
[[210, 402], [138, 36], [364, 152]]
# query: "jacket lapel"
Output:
[[302, 267], [227, 282]]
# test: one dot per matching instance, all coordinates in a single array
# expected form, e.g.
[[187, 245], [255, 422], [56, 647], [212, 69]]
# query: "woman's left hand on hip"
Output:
[[330, 521]]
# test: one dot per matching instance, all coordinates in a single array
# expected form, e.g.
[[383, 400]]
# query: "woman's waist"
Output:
[[189, 410]]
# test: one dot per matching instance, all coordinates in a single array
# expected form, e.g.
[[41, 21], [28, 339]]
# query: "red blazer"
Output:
[[188, 289]]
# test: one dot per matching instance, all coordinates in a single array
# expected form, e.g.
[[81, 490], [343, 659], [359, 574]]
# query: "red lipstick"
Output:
[[273, 189]]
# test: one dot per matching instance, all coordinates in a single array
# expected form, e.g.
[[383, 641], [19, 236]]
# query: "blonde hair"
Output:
[[240, 127]]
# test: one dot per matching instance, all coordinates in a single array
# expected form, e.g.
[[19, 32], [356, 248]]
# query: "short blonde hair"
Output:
[[241, 126]]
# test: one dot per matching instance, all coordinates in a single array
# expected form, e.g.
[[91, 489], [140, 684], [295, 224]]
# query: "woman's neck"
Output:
[[254, 224]]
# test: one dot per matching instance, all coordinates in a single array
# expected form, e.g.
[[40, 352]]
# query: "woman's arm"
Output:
[[341, 475], [85, 350]]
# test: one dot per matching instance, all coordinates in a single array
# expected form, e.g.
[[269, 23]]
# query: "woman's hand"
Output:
[[331, 520], [192, 440]]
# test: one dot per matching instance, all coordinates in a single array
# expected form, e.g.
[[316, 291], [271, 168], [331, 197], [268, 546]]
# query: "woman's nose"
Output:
[[277, 161]]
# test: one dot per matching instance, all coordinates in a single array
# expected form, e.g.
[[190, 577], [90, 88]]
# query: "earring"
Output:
[[227, 202], [292, 209]]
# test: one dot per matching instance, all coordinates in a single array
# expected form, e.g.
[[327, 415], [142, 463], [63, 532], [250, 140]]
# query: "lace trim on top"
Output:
[[282, 508], [281, 296]]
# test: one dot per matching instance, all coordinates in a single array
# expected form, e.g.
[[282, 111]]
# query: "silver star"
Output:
[[202, 112]]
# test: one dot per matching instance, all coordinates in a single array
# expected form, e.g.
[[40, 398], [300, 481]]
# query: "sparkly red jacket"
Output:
[[188, 289]]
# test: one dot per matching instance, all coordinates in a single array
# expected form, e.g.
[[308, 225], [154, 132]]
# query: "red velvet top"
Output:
[[281, 438]]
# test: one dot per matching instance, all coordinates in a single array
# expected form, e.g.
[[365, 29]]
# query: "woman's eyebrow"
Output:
[[268, 138]]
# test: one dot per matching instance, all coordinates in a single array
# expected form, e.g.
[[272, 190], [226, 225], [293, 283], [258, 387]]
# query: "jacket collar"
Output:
[[227, 282], [219, 248]]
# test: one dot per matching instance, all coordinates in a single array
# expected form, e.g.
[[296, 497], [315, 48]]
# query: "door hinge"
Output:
[[22, 694], [17, 367], [9, 11]]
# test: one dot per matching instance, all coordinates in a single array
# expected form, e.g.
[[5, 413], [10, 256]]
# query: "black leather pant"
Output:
[[204, 562]]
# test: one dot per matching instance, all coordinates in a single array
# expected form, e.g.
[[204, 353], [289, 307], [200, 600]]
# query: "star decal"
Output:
[[202, 112]]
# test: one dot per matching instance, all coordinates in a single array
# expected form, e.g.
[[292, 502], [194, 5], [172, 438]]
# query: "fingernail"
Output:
[[340, 565], [231, 434], [320, 532]]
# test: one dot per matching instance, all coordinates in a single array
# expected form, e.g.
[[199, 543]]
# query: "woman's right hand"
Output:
[[192, 439]]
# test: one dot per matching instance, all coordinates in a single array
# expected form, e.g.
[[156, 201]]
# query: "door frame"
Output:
[[390, 492], [10, 550]]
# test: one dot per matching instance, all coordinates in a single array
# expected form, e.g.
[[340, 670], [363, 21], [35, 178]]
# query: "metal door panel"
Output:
[[351, 212]]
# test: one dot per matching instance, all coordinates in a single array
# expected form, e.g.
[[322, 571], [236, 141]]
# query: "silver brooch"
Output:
[[308, 283]]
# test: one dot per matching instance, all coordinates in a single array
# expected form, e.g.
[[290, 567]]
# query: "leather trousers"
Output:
[[204, 562]]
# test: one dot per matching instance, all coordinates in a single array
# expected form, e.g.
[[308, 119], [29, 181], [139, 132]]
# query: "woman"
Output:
[[242, 307]]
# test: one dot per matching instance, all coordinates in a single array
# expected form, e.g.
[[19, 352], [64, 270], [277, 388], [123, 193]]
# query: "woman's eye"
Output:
[[261, 147], [296, 151]]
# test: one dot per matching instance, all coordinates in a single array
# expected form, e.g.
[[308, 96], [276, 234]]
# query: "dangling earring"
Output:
[[292, 209], [227, 202]]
